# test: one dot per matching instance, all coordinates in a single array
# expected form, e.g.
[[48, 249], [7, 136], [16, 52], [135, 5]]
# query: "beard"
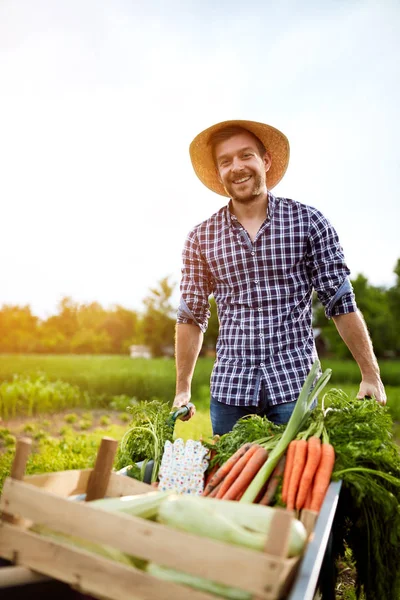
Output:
[[249, 190]]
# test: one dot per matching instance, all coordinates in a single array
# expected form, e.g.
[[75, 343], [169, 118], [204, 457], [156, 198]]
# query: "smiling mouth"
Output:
[[242, 180]]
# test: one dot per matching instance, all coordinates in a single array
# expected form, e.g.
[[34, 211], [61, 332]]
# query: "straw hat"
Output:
[[274, 141]]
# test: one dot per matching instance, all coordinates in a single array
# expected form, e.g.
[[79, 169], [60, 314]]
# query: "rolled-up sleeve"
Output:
[[196, 285], [327, 268]]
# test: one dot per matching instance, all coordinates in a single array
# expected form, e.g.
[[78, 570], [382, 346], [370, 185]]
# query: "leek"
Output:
[[101, 549], [141, 505], [227, 521], [199, 517], [258, 518], [301, 410], [198, 583]]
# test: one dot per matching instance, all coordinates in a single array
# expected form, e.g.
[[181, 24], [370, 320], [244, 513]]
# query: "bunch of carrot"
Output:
[[230, 480], [308, 470]]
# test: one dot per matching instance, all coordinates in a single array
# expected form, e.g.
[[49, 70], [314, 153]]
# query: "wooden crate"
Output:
[[45, 499]]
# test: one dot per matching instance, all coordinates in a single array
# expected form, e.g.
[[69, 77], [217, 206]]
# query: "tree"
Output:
[[18, 328], [378, 307], [157, 328], [121, 326], [394, 307]]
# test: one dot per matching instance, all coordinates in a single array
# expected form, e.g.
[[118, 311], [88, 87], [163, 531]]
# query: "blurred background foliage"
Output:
[[91, 329]]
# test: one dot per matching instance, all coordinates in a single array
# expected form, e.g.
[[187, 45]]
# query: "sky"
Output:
[[100, 100]]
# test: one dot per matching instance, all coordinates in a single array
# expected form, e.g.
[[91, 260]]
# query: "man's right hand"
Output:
[[182, 399]]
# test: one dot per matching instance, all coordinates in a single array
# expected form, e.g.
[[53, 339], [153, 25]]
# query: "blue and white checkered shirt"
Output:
[[263, 290]]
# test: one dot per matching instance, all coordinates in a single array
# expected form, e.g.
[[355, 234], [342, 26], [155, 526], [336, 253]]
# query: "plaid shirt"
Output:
[[263, 290]]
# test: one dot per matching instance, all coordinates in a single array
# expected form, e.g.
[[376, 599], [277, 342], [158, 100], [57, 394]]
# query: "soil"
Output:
[[53, 423]]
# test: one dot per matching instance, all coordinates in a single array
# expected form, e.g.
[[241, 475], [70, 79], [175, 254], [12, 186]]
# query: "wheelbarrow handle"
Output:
[[182, 411]]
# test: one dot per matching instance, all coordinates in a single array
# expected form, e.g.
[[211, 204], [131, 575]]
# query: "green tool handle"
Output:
[[181, 412]]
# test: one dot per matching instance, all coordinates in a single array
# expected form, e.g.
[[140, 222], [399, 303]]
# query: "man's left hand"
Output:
[[373, 389]]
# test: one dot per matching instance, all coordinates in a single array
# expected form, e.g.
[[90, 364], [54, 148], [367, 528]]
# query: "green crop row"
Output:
[[36, 384]]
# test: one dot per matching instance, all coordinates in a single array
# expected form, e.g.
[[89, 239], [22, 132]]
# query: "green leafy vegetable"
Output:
[[150, 428], [248, 429]]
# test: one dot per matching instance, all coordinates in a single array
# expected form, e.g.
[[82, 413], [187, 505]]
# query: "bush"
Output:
[[71, 418]]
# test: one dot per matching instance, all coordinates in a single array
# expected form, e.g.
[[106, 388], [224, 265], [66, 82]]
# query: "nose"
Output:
[[236, 164]]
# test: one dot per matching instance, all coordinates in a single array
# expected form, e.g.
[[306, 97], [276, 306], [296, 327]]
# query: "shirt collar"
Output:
[[232, 220]]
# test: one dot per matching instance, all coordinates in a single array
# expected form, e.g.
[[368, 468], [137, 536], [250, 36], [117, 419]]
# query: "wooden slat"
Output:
[[100, 476], [90, 574], [61, 483], [277, 544], [278, 538], [122, 485], [74, 482], [169, 547], [308, 518], [22, 451]]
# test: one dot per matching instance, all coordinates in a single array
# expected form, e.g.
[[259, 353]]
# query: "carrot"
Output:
[[307, 503], [214, 492], [236, 470], [210, 473], [225, 468], [323, 476], [240, 494], [260, 493], [273, 482], [249, 472], [299, 462], [313, 458], [288, 469]]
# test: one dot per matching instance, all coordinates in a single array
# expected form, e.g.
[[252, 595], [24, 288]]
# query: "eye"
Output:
[[246, 155]]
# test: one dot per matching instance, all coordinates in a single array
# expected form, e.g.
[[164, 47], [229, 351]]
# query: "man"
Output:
[[261, 257]]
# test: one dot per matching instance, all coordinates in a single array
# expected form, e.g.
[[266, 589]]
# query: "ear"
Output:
[[267, 161]]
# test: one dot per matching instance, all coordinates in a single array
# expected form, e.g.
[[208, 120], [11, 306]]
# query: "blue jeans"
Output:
[[224, 416]]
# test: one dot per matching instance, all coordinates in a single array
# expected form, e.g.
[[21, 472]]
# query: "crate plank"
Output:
[[308, 518], [75, 481], [90, 574], [62, 483], [278, 539], [101, 473], [121, 485], [22, 452], [199, 556]]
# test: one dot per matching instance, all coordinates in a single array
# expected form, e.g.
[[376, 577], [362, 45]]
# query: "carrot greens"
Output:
[[148, 431], [368, 515]]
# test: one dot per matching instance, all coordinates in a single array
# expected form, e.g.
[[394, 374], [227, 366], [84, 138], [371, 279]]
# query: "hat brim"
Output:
[[274, 141]]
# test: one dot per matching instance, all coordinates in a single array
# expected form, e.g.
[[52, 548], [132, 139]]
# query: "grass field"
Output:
[[100, 379]]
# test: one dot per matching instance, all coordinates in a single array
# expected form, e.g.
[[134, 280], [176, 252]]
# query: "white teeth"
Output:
[[242, 180]]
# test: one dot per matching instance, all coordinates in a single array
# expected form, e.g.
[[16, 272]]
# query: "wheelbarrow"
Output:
[[148, 467]]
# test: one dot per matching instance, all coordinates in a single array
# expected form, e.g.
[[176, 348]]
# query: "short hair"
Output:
[[227, 132]]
